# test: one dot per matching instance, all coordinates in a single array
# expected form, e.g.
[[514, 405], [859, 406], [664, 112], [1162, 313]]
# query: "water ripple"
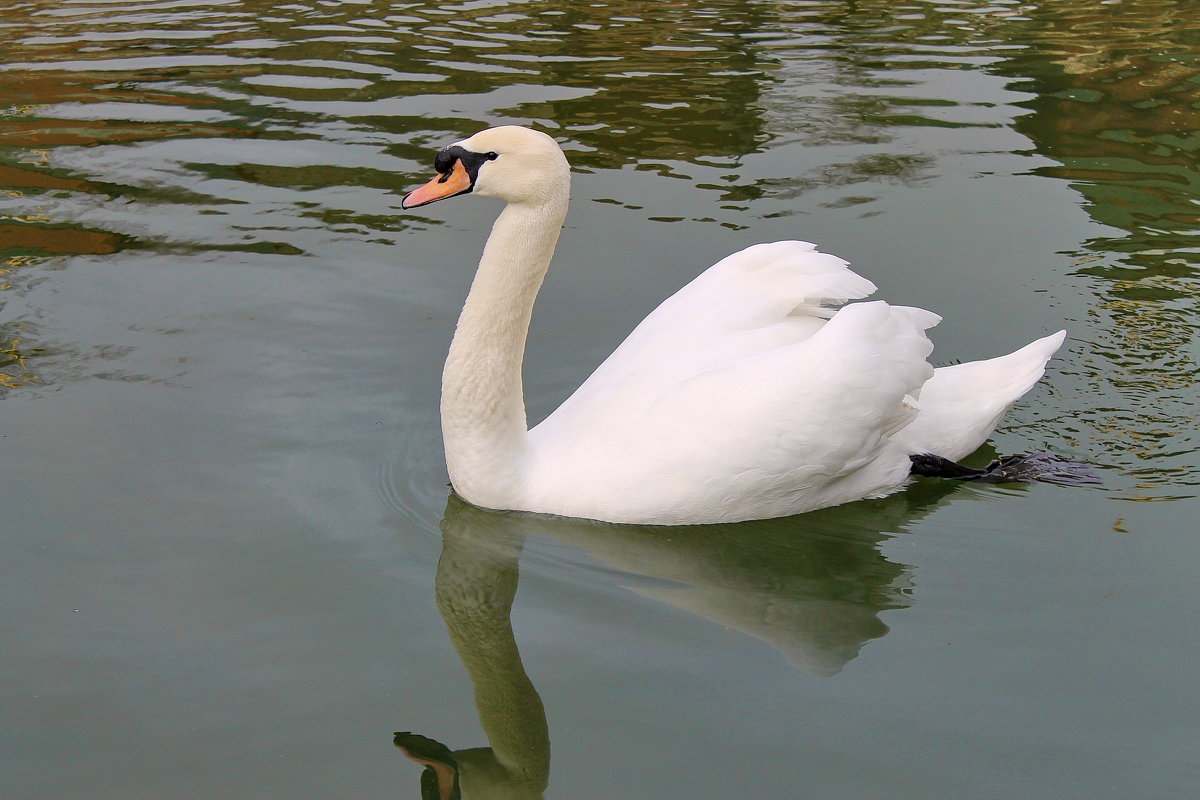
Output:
[[207, 128]]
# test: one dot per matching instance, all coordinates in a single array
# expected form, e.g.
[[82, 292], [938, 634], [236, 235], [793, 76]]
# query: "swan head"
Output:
[[518, 165]]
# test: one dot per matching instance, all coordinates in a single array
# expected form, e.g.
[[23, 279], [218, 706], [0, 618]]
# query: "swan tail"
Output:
[[961, 405]]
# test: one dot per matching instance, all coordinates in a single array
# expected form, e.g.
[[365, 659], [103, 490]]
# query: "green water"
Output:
[[228, 567]]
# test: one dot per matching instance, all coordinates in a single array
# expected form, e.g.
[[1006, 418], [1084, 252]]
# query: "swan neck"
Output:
[[483, 407]]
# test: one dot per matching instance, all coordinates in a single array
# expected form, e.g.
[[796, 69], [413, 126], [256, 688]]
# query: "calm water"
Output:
[[229, 568]]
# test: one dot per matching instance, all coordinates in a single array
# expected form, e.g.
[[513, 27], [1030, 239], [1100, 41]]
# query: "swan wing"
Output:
[[763, 297], [799, 422]]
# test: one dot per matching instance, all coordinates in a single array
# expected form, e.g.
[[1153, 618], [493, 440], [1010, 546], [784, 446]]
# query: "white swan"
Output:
[[746, 395]]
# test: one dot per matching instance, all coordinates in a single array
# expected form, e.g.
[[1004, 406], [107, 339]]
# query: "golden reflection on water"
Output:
[[1117, 105], [14, 355], [685, 90], [14, 370]]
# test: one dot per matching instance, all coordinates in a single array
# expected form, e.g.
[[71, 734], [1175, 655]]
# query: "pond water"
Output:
[[230, 565]]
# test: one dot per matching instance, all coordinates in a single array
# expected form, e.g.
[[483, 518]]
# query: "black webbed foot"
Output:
[[1045, 467]]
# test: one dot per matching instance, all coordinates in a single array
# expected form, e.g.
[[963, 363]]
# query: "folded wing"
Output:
[[746, 392]]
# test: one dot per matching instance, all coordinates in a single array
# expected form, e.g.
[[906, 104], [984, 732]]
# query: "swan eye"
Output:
[[492, 156]]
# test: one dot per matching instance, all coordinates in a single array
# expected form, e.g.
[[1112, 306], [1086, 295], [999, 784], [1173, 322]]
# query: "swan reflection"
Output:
[[811, 586]]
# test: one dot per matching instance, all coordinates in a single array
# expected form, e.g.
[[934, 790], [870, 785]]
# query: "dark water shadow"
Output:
[[811, 586]]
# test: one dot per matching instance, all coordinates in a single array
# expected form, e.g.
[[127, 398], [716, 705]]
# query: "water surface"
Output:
[[230, 566]]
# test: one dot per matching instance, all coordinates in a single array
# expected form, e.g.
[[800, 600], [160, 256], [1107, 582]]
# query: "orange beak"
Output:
[[456, 181]]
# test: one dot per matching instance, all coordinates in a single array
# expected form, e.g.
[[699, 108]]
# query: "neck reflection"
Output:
[[811, 586]]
